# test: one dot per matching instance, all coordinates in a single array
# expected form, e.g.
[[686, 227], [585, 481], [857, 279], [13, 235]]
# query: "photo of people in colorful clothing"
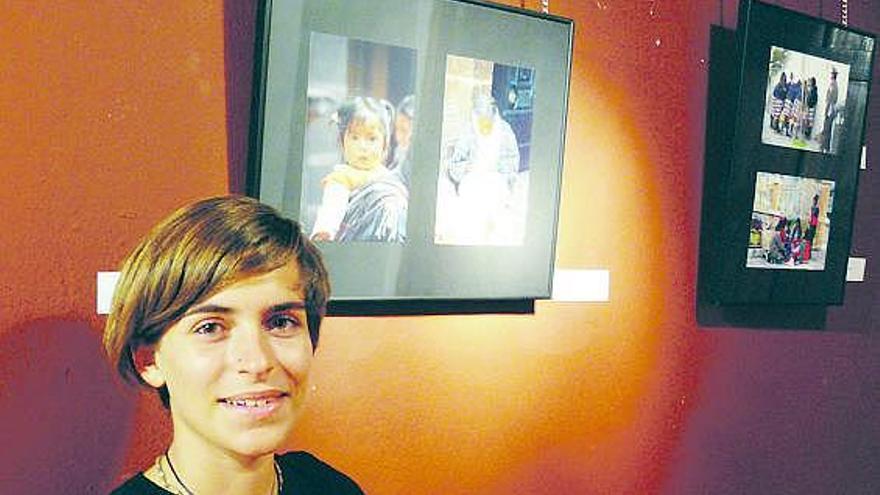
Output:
[[483, 183], [790, 222], [804, 101], [360, 121]]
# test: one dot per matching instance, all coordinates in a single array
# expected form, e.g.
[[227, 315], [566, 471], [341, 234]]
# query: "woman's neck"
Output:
[[208, 470]]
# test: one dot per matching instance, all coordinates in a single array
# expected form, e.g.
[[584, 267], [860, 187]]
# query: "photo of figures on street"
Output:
[[359, 124], [483, 184], [790, 222], [805, 101]]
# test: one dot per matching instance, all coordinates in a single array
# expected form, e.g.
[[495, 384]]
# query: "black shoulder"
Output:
[[138, 485], [304, 473]]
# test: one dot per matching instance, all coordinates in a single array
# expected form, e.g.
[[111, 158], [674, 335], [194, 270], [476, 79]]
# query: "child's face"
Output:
[[363, 145]]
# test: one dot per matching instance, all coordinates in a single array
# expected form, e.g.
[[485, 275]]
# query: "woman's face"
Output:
[[402, 130], [236, 366], [363, 145]]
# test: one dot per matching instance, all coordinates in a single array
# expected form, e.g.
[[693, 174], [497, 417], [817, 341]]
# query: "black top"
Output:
[[303, 474]]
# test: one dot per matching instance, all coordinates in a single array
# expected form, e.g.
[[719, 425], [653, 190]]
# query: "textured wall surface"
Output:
[[115, 113]]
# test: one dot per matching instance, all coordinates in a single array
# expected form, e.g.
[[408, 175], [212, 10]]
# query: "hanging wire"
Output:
[[545, 6], [844, 12]]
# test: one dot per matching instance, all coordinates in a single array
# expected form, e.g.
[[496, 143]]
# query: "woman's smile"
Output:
[[255, 406]]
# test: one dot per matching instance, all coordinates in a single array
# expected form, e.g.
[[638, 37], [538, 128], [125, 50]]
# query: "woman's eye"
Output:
[[207, 328], [283, 323]]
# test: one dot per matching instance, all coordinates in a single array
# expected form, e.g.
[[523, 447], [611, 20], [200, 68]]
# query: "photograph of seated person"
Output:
[[219, 309]]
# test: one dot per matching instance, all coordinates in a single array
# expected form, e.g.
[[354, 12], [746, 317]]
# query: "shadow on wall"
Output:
[[790, 317], [64, 415], [239, 34]]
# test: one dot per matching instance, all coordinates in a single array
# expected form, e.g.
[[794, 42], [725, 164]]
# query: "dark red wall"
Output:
[[115, 113]]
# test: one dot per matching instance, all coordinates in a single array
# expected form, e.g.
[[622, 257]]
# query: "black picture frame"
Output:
[[751, 159], [388, 50]]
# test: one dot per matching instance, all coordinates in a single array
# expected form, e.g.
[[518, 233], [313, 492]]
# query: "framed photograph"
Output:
[[803, 99], [421, 154], [782, 193], [791, 222]]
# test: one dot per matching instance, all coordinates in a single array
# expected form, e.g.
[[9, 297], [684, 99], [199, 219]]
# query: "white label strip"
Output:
[[864, 164], [855, 269], [568, 286], [581, 285], [106, 285]]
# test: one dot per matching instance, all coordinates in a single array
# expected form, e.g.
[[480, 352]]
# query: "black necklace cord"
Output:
[[176, 477], [279, 477]]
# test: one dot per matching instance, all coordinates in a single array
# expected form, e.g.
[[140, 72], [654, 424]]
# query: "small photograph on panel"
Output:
[[804, 102], [359, 123], [791, 221], [483, 184]]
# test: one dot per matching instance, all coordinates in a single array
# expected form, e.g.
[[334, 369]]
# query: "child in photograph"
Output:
[[795, 244], [365, 134], [755, 233]]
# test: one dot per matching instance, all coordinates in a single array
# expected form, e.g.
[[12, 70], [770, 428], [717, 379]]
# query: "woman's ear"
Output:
[[147, 368]]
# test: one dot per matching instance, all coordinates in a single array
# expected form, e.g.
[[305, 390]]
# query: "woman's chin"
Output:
[[259, 441], [259, 444]]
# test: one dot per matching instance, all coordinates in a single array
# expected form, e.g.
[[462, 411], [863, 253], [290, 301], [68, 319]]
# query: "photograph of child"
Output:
[[482, 189], [356, 161], [804, 101], [790, 222]]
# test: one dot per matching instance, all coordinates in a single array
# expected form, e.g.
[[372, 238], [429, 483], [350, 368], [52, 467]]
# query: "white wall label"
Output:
[[864, 164], [855, 269], [581, 285], [106, 285]]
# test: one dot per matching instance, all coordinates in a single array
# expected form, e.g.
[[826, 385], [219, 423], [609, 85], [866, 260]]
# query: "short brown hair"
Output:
[[196, 252]]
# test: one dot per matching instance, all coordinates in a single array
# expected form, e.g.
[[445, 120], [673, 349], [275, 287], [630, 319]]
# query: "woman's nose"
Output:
[[250, 351]]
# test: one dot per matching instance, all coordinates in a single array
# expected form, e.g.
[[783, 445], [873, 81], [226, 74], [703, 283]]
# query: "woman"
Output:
[[218, 309], [792, 110], [402, 137], [778, 102], [778, 252], [810, 100]]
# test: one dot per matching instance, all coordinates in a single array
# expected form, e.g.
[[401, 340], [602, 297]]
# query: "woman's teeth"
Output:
[[248, 402]]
